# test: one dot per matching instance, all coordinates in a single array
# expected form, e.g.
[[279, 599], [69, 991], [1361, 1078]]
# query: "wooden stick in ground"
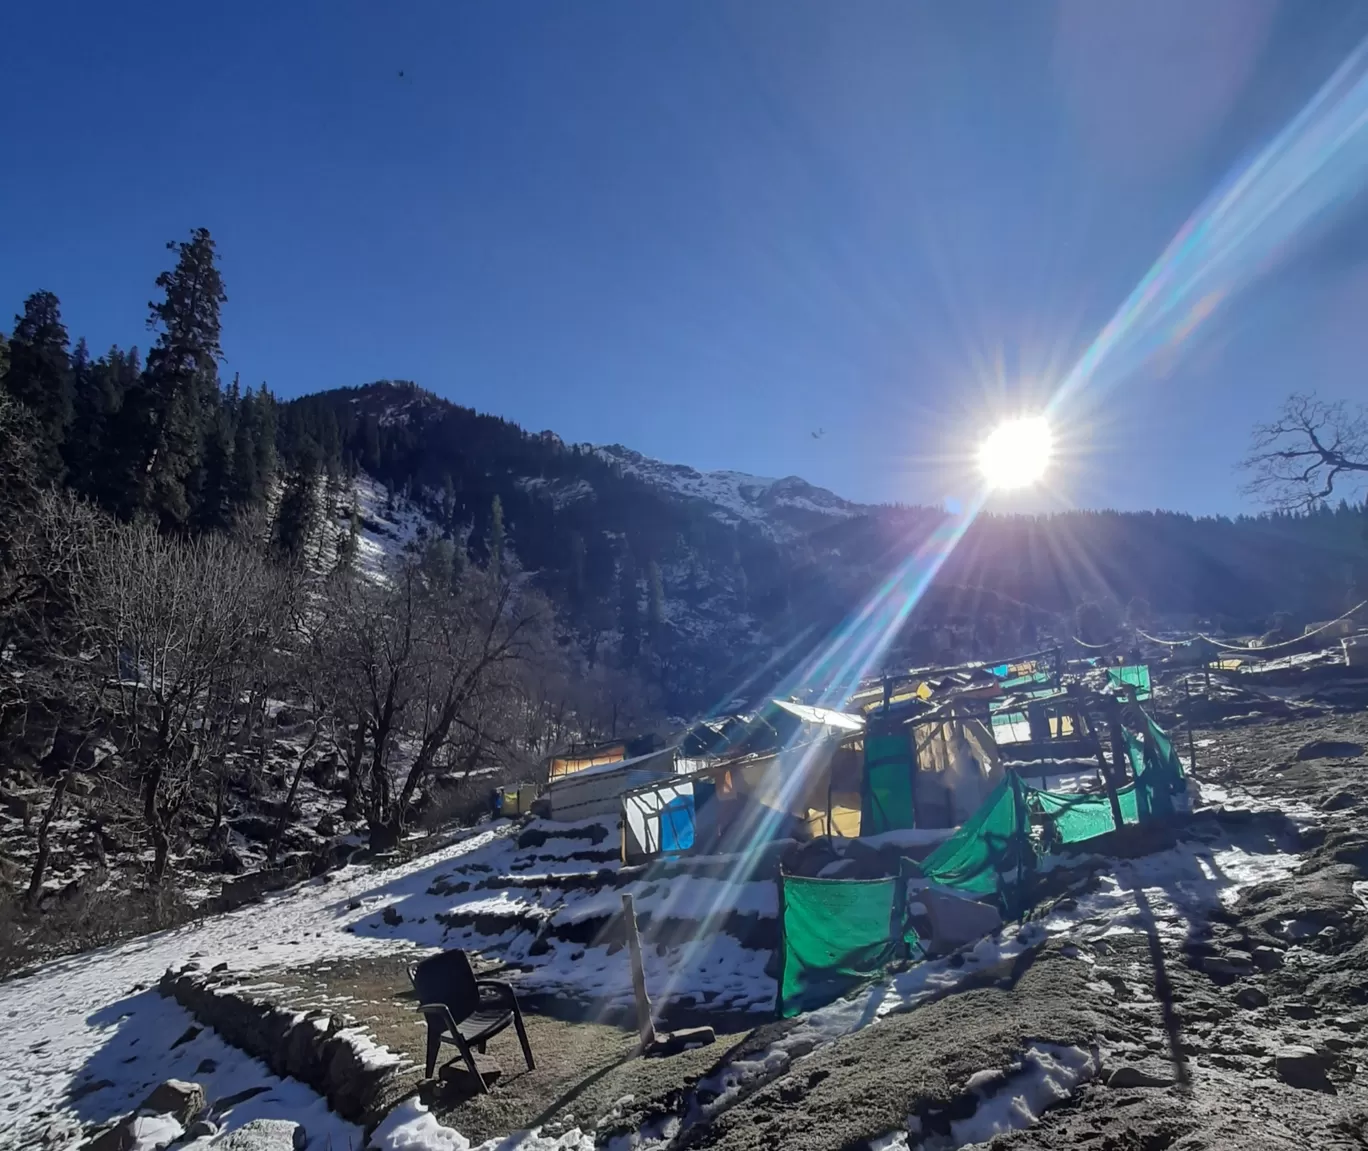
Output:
[[643, 1004]]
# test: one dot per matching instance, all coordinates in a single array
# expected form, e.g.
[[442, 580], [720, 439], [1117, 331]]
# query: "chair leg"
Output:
[[522, 1038], [434, 1045], [471, 1064]]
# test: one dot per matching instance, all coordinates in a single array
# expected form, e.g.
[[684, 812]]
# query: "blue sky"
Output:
[[703, 230]]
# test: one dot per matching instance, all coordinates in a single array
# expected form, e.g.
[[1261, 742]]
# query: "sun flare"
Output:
[[1016, 453]]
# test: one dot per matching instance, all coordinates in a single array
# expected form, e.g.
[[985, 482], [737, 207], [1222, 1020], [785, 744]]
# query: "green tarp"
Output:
[[837, 932], [1136, 676], [889, 770], [994, 843]]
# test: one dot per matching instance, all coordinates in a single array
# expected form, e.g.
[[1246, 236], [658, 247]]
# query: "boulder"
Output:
[[1329, 749], [1267, 958], [177, 1098], [264, 1135], [1127, 1076], [121, 1137], [1302, 1067], [327, 825], [17, 805], [1232, 965], [1251, 997]]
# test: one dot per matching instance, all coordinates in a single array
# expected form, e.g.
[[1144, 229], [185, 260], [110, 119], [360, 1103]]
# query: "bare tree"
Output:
[[1312, 446], [177, 627]]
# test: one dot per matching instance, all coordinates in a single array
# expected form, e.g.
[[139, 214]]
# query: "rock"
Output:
[[392, 917], [1127, 1076], [1340, 801], [1231, 965], [539, 946], [220, 966], [1302, 1067], [121, 1137], [206, 1067], [327, 825], [188, 1034], [1298, 1009], [16, 805], [177, 1098], [264, 1135], [1251, 997], [1329, 749], [1267, 958], [200, 1129]]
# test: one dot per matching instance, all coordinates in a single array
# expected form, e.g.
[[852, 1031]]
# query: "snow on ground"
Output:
[[82, 1020], [1010, 1100], [1168, 892]]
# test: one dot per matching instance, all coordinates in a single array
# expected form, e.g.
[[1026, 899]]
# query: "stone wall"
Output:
[[360, 1080]]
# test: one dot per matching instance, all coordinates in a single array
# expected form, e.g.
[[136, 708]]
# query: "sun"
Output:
[[1016, 453]]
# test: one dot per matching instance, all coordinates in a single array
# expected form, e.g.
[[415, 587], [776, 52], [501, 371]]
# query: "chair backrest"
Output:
[[447, 978]]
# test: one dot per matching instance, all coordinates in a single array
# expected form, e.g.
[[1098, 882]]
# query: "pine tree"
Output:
[[349, 544], [655, 602], [4, 356], [215, 504], [165, 419], [496, 536], [264, 437], [298, 514], [578, 555], [629, 608], [247, 488], [39, 377], [448, 501]]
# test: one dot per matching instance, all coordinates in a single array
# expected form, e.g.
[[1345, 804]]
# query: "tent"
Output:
[[597, 791]]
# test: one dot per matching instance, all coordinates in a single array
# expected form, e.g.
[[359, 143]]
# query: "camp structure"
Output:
[[597, 791], [581, 756], [787, 769]]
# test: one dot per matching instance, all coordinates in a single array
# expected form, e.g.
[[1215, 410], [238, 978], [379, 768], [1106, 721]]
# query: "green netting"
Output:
[[992, 850], [1133, 675], [1023, 680], [1158, 772], [1078, 817], [889, 769], [837, 932]]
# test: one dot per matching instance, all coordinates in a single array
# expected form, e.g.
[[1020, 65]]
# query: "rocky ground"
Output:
[[1237, 1023]]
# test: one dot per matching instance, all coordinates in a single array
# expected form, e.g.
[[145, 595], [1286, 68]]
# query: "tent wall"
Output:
[[641, 817], [598, 791], [563, 765]]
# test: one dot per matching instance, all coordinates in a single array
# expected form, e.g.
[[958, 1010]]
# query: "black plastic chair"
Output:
[[463, 1010]]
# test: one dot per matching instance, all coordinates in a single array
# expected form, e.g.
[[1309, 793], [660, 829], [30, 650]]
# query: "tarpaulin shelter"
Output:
[[836, 933], [1133, 677]]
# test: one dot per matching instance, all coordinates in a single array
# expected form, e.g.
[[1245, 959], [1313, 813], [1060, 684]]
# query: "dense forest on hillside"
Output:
[[659, 578]]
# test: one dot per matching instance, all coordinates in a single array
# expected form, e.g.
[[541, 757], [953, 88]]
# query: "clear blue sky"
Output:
[[703, 230]]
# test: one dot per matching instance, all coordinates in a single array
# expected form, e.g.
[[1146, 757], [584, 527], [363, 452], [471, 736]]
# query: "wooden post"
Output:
[[1117, 771], [643, 1004]]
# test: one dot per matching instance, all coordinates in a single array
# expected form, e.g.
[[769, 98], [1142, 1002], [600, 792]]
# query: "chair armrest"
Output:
[[439, 1009], [496, 990]]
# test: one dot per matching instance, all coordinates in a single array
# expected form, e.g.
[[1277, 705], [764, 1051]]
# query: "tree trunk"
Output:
[[355, 754], [155, 819], [40, 860], [288, 805]]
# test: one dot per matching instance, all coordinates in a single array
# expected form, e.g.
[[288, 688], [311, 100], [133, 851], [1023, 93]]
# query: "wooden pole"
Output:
[[643, 1004]]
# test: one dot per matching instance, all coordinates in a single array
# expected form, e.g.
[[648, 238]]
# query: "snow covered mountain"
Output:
[[784, 508]]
